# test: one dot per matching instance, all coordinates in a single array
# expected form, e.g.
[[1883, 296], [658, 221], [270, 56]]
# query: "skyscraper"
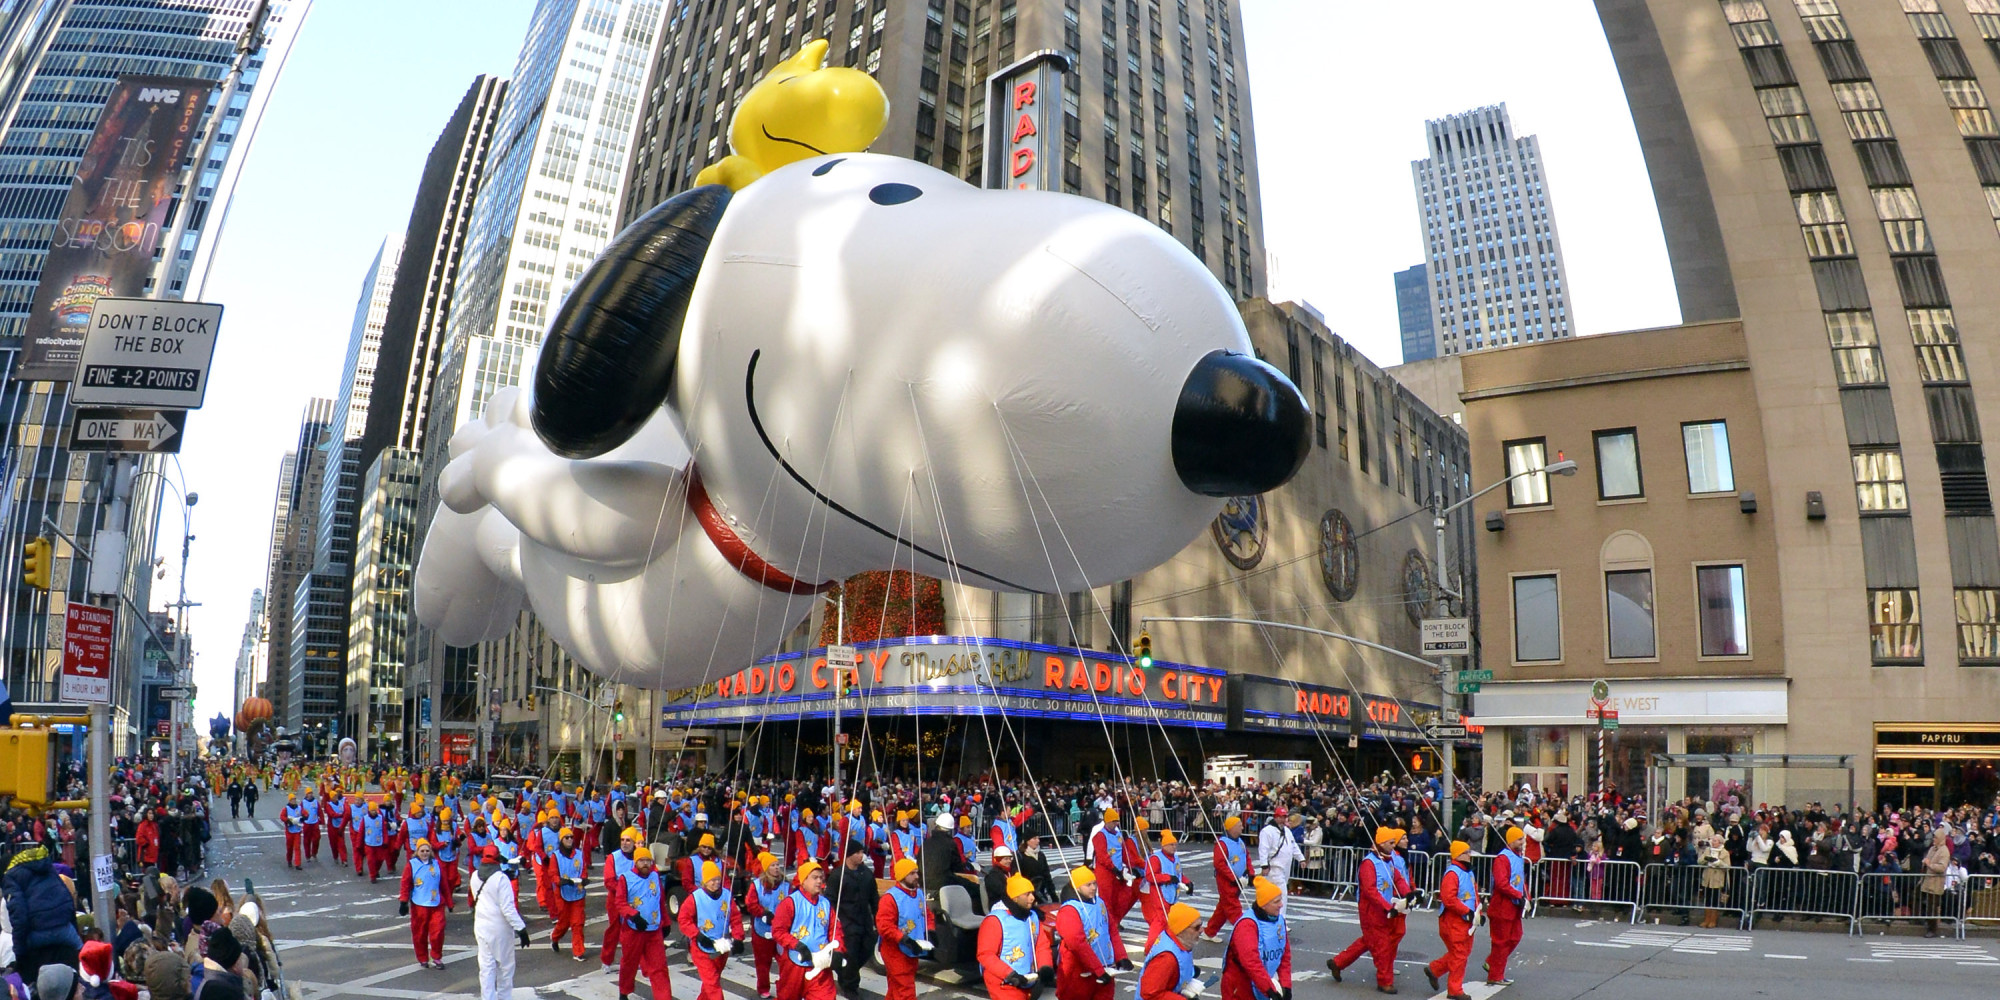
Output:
[[1156, 106], [1413, 313], [1496, 268], [294, 519], [250, 658]]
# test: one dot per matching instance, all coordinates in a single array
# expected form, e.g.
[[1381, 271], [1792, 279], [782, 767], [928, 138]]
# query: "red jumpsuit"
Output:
[[762, 948], [996, 968], [1118, 897], [426, 922], [293, 816], [1228, 890], [801, 851], [1079, 972], [793, 983], [899, 965], [334, 812], [1161, 979], [645, 950], [312, 831], [1378, 937], [1455, 927], [1243, 967], [1503, 912], [608, 951], [1152, 895], [707, 964]]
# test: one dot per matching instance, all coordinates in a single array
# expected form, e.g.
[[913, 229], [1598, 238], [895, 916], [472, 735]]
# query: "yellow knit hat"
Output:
[[1385, 835], [902, 869], [1267, 891], [644, 853], [710, 871], [1081, 876], [1017, 885], [1182, 917], [1459, 847]]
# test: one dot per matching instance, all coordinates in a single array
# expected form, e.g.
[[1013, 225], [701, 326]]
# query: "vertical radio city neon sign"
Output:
[[1024, 108]]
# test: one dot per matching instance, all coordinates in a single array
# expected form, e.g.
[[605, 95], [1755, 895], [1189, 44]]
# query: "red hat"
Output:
[[94, 962], [1280, 813], [491, 855]]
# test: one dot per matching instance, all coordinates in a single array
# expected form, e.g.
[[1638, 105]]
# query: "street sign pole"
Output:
[[1600, 696], [1447, 750]]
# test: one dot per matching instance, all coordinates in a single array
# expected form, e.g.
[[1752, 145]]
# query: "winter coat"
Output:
[[39, 907]]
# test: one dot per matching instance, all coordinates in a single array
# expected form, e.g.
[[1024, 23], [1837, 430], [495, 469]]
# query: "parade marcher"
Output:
[[357, 819], [423, 895], [638, 902], [1232, 877], [1503, 908], [806, 841], [1277, 850], [445, 846], [1163, 885], [1091, 954], [616, 864], [713, 924], [905, 839], [807, 937], [1378, 901], [335, 812], [374, 839], [310, 820], [761, 902], [1013, 952], [1168, 972], [497, 926], [568, 871], [856, 899], [293, 816], [1458, 915], [903, 923], [1116, 861], [1258, 963]]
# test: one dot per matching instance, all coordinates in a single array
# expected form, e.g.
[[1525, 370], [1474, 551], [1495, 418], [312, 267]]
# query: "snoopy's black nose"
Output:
[[1240, 427]]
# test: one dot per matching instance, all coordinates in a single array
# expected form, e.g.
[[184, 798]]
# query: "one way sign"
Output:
[[119, 429]]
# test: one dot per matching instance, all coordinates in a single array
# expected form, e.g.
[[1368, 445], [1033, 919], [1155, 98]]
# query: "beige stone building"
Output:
[[1828, 174]]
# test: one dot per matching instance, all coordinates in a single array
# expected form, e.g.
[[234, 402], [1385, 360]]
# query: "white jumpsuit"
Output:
[[495, 923]]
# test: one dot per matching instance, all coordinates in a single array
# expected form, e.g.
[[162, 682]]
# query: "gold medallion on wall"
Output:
[[1241, 530], [1339, 558]]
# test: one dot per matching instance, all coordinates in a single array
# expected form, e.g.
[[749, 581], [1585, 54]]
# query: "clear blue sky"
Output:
[[1339, 100], [333, 168]]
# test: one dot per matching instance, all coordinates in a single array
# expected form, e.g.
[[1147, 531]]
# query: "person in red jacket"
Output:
[[761, 902], [1379, 901], [1092, 952], [1168, 972], [1258, 962], [422, 897], [807, 937], [1115, 859], [808, 842], [903, 923], [1458, 914], [704, 851], [147, 840], [1232, 876], [1163, 885], [1013, 952], [1503, 908], [616, 865], [713, 924], [638, 901]]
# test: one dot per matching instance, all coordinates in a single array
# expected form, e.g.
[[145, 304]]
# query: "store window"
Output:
[[1537, 619], [1707, 447], [1724, 610], [1539, 758], [1618, 465], [1523, 456], [1718, 785]]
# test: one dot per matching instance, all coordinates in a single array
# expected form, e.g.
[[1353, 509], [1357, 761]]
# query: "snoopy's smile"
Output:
[[750, 399]]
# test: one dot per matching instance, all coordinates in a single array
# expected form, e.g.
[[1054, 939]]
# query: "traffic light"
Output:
[[618, 711], [531, 701], [1425, 762], [37, 562], [1142, 650], [25, 763]]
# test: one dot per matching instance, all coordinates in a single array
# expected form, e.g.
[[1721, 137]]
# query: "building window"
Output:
[[1878, 481], [1894, 627], [1618, 464], [1628, 608], [1537, 619], [1725, 610], [1709, 470], [1978, 624], [1527, 456]]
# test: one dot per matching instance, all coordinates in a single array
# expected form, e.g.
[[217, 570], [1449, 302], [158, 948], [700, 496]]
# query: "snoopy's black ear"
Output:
[[608, 362]]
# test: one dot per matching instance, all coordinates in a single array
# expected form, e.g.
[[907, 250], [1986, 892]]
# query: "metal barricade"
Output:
[[1982, 899], [1333, 870], [1424, 877], [1893, 896], [1697, 889], [1587, 883], [1804, 892]]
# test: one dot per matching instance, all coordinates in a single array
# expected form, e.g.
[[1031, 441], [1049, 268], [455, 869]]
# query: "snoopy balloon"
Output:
[[855, 362]]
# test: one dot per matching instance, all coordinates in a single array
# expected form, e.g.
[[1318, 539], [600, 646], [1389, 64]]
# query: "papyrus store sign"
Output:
[[1024, 121], [959, 675]]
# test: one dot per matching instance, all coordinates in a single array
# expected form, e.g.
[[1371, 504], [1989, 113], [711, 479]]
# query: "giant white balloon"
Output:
[[878, 366]]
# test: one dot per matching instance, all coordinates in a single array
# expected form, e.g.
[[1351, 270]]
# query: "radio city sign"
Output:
[[1024, 123]]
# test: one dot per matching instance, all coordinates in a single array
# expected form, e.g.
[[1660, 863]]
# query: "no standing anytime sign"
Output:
[[147, 352]]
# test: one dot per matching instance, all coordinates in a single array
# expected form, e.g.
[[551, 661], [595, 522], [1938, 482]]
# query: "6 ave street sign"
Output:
[[147, 352], [123, 429]]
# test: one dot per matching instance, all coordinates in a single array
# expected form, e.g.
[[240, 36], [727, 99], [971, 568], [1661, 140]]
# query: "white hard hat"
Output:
[[944, 821]]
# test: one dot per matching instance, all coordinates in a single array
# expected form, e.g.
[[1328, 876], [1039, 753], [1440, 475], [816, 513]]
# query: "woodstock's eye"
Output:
[[893, 194]]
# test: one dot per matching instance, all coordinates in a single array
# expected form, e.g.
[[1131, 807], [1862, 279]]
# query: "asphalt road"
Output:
[[340, 936]]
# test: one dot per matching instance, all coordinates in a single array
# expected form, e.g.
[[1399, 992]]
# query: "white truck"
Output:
[[1237, 770]]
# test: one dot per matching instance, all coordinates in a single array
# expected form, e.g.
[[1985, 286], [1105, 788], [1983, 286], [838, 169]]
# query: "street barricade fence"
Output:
[[1892, 896], [1332, 870], [1585, 883], [1805, 892], [1696, 888], [1482, 873], [1982, 899]]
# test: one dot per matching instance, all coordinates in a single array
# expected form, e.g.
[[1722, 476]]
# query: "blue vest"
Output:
[[480, 840], [426, 882], [446, 842], [1270, 947], [1236, 854], [809, 924], [1468, 889], [910, 919], [643, 892], [1402, 865], [810, 841], [451, 802], [510, 850], [1384, 875], [757, 823], [293, 818], [1170, 892], [419, 828], [768, 899], [620, 862], [336, 813], [711, 913], [1010, 835], [357, 810], [969, 846], [570, 866], [595, 810], [311, 807], [1166, 945], [1096, 926], [687, 819], [1514, 865], [371, 830], [906, 841], [1114, 845], [1017, 939]]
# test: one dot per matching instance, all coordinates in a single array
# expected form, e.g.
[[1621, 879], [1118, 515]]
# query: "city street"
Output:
[[340, 936]]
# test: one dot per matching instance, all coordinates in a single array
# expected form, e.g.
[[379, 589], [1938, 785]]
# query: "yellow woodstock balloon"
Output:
[[802, 108]]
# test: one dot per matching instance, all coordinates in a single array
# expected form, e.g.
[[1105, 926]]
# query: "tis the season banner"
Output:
[[115, 215]]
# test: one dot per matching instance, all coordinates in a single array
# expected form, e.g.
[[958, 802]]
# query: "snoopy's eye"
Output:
[[820, 171], [893, 194]]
